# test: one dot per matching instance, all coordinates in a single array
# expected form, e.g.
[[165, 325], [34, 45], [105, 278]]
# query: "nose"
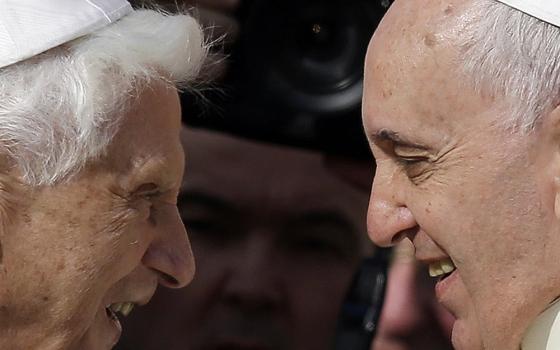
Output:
[[170, 254], [252, 282], [389, 219]]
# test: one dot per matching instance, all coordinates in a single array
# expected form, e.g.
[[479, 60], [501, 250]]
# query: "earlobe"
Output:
[[557, 196]]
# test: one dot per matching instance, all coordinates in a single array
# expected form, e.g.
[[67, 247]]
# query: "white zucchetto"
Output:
[[545, 10], [29, 27]]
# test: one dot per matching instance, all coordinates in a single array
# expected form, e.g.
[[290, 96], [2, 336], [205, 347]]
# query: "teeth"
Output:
[[441, 268], [123, 308], [126, 309], [116, 307]]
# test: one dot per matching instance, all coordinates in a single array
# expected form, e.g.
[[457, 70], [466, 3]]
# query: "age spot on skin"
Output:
[[430, 40], [449, 10], [61, 265]]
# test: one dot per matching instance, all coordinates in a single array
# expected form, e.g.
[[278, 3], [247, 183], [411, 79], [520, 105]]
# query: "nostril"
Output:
[[168, 280], [408, 233]]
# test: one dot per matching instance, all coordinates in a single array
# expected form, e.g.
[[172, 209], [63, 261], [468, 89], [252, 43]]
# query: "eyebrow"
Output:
[[386, 135]]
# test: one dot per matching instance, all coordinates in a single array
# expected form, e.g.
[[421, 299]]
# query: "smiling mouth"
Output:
[[124, 309], [441, 269]]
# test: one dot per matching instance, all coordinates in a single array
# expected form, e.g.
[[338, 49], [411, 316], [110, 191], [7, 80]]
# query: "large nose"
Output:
[[389, 218], [253, 282], [170, 254]]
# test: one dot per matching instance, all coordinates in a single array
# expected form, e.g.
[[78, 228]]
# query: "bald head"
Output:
[[498, 51]]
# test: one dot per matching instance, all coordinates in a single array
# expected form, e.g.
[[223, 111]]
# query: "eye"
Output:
[[414, 167], [148, 192], [409, 161]]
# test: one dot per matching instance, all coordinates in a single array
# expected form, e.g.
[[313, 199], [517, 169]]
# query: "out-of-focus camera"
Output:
[[295, 75]]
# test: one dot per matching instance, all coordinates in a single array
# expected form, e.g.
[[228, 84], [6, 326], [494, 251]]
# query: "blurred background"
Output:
[[275, 194]]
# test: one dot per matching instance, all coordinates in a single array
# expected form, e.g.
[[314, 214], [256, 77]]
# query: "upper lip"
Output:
[[138, 297], [431, 259]]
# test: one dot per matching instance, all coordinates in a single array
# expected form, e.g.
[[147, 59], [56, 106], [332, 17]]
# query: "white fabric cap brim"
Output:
[[29, 27], [545, 10]]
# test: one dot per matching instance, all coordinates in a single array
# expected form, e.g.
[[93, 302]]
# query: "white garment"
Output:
[[545, 10], [544, 333], [29, 27]]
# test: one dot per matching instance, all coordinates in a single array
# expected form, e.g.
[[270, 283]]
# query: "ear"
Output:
[[557, 197], [548, 156], [12, 194]]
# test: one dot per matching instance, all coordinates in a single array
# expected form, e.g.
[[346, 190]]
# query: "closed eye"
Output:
[[407, 161]]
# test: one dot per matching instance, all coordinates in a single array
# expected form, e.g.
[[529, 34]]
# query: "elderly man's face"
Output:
[[451, 180], [105, 237]]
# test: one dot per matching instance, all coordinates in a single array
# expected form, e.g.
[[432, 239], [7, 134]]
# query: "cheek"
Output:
[[465, 336]]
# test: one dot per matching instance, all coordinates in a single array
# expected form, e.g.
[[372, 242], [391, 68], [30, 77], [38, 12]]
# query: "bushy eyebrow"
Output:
[[386, 135]]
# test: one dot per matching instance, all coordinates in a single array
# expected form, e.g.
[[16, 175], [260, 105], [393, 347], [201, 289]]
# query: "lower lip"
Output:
[[115, 325], [445, 284]]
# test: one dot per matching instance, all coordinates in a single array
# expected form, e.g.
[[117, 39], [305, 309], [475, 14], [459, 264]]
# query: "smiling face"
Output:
[[449, 178], [106, 237]]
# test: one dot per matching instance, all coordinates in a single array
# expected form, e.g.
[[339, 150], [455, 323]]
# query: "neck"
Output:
[[544, 332]]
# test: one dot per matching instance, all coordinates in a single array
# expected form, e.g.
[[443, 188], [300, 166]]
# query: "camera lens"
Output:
[[296, 73], [312, 51]]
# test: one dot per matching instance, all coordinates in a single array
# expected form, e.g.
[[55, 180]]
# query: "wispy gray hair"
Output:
[[60, 109], [509, 53]]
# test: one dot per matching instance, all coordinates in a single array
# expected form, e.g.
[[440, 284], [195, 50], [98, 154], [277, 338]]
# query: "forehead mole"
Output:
[[430, 40]]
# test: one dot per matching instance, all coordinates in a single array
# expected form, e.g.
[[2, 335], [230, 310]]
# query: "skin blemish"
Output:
[[430, 40], [387, 93], [448, 10]]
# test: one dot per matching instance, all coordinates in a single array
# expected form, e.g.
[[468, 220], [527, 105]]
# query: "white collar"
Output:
[[29, 27], [544, 332], [545, 10]]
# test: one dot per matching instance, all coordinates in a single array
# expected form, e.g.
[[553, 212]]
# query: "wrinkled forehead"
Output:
[[147, 143], [413, 73], [416, 31]]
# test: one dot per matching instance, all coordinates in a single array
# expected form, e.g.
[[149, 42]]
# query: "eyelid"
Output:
[[412, 154], [147, 190]]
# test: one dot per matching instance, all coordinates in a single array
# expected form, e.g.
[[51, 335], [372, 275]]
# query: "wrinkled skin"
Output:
[[455, 182], [110, 234], [277, 237]]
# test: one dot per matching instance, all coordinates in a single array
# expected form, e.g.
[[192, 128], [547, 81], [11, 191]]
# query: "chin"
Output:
[[102, 334], [465, 336]]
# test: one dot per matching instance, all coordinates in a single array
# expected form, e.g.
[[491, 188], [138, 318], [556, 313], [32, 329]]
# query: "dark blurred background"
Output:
[[295, 74]]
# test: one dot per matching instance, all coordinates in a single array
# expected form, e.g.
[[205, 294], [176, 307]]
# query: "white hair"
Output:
[[511, 54], [60, 109]]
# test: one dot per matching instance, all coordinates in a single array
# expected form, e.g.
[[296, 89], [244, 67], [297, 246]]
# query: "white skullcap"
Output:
[[545, 10], [29, 27]]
